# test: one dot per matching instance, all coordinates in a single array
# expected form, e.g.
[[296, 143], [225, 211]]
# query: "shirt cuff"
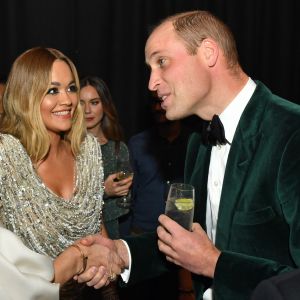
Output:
[[126, 273]]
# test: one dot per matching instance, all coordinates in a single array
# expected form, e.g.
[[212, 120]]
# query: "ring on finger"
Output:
[[112, 277]]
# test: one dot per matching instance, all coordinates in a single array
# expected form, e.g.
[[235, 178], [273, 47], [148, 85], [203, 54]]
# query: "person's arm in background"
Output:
[[114, 187]]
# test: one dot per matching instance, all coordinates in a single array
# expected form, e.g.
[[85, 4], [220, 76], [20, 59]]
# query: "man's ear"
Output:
[[210, 51]]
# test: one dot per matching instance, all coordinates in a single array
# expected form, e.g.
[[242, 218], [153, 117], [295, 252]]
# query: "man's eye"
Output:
[[73, 88], [82, 103], [52, 91], [161, 61]]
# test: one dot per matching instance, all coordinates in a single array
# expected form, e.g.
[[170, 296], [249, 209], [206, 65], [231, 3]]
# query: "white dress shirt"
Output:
[[219, 154]]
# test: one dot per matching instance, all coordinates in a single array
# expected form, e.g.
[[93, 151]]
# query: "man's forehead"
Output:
[[158, 38], [162, 30]]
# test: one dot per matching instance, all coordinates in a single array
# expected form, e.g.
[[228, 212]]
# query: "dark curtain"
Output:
[[107, 37]]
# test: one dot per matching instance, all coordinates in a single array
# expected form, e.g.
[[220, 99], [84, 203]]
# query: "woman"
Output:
[[102, 122], [51, 172]]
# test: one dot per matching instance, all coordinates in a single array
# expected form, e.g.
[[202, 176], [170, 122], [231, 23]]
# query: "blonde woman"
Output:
[[51, 173]]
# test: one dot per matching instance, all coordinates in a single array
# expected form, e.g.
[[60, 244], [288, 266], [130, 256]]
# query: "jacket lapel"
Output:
[[244, 145], [196, 172]]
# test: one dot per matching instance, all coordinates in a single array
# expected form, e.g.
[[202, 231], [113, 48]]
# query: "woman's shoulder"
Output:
[[123, 145], [8, 141], [12, 150], [112, 145]]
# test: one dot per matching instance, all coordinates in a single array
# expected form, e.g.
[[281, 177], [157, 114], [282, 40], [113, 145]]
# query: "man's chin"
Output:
[[172, 116]]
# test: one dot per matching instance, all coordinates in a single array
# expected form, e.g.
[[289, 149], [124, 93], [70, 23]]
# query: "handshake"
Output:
[[95, 260]]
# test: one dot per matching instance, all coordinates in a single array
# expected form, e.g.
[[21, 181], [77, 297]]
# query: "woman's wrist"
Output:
[[83, 258], [67, 264]]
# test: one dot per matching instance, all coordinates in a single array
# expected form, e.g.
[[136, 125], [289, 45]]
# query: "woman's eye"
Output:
[[95, 102], [52, 91], [73, 88]]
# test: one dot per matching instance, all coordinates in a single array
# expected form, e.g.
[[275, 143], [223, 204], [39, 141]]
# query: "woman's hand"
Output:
[[114, 188]]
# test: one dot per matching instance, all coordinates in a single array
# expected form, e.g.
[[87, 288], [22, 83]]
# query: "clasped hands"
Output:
[[104, 262], [192, 250]]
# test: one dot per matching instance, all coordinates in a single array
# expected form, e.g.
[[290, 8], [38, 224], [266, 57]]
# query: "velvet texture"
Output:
[[258, 225], [147, 260]]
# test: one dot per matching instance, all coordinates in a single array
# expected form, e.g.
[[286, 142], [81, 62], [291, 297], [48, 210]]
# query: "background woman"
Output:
[[102, 121]]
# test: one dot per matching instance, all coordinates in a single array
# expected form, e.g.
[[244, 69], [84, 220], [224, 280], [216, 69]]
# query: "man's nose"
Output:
[[154, 81]]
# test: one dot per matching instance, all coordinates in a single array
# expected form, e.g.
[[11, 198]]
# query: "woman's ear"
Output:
[[210, 52]]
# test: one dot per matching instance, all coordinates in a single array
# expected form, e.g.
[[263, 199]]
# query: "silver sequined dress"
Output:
[[45, 222]]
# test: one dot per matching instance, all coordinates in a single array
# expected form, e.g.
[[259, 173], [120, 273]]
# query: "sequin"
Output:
[[45, 222]]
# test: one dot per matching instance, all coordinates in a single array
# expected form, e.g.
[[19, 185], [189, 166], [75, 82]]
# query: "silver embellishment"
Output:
[[45, 222]]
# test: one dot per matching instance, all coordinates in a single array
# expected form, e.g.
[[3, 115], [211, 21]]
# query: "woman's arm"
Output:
[[67, 264]]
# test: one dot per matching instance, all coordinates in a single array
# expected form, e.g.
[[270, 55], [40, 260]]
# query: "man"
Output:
[[247, 184]]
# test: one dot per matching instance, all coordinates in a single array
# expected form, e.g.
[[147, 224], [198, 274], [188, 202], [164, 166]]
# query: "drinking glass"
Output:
[[124, 170], [180, 204]]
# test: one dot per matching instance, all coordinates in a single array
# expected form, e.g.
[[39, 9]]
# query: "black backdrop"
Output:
[[107, 37]]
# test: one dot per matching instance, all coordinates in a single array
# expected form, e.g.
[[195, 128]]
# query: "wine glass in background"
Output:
[[180, 204], [123, 170]]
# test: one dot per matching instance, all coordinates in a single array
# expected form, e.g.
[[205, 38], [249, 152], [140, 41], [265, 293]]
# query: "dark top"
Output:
[[111, 211], [156, 163]]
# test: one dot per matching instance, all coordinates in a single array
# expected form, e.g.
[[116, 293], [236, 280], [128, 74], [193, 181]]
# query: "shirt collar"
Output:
[[232, 113]]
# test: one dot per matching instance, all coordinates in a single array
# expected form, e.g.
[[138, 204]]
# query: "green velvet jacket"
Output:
[[258, 228]]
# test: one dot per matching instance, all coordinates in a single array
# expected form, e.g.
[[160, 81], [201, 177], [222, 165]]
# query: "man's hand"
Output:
[[191, 250]]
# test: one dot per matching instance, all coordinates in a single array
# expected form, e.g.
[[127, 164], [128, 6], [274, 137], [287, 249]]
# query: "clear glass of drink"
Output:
[[124, 170], [180, 204]]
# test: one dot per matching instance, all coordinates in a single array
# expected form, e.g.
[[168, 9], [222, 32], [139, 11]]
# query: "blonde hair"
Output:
[[195, 26], [27, 85]]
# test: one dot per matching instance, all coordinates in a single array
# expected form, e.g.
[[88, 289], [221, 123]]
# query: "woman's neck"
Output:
[[58, 149], [98, 133]]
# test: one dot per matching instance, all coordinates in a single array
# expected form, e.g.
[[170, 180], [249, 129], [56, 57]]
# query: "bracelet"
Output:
[[83, 256], [184, 291]]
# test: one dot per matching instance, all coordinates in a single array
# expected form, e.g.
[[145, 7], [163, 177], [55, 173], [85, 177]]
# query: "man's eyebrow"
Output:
[[155, 53]]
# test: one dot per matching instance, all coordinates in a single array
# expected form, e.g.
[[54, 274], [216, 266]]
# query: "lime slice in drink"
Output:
[[184, 204]]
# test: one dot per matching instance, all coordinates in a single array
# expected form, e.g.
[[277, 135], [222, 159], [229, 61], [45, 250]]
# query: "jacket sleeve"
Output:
[[147, 260]]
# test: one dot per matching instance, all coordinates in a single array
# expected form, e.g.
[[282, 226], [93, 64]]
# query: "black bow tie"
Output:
[[213, 132]]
